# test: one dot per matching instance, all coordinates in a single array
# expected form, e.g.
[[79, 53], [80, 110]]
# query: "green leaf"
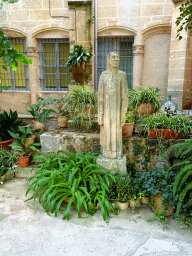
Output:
[[7, 59], [14, 65], [1, 32]]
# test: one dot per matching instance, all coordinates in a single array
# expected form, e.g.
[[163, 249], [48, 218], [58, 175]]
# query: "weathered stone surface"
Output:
[[115, 163]]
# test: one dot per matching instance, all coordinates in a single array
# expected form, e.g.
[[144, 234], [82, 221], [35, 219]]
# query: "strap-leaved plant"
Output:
[[76, 176]]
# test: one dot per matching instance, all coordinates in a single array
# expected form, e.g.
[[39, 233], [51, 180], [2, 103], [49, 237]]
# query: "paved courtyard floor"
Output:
[[27, 230]]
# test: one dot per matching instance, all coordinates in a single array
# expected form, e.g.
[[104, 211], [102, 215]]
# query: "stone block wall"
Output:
[[139, 152]]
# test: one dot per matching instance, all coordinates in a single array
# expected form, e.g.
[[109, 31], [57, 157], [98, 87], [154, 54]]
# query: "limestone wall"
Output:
[[134, 147]]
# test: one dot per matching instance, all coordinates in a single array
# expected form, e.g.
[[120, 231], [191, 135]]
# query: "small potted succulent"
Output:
[[24, 149], [146, 100], [127, 129], [78, 64]]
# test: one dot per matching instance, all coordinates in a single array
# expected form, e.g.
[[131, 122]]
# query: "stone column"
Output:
[[33, 73], [138, 52]]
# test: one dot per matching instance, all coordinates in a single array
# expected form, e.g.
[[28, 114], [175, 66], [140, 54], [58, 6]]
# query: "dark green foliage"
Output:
[[185, 18], [78, 55], [77, 176], [9, 122], [24, 133], [154, 183], [182, 189], [38, 110], [145, 95], [7, 161], [121, 187]]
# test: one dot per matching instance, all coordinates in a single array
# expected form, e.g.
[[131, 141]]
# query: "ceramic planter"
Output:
[[157, 200], [81, 73], [123, 206], [164, 133], [24, 160], [145, 109], [29, 141], [144, 200], [38, 125], [5, 143], [62, 121], [134, 203], [127, 129]]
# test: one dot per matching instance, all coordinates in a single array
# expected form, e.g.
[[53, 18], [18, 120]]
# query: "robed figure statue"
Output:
[[112, 107]]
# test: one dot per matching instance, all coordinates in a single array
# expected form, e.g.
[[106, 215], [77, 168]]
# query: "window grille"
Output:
[[15, 80], [124, 46], [53, 58]]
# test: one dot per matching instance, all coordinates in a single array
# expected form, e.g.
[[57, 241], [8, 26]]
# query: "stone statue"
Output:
[[112, 107]]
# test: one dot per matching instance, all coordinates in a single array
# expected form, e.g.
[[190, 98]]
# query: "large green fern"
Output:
[[183, 182]]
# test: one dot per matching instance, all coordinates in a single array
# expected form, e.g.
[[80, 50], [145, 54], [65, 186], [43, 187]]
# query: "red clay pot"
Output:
[[127, 129], [145, 109], [165, 133], [158, 205], [24, 160], [5, 143]]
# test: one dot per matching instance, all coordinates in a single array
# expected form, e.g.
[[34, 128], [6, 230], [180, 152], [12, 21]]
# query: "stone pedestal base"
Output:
[[117, 163]]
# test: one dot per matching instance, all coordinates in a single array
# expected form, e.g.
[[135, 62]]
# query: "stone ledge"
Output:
[[25, 172]]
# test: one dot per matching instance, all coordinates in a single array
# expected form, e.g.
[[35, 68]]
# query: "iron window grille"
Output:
[[122, 45], [15, 80], [53, 58]]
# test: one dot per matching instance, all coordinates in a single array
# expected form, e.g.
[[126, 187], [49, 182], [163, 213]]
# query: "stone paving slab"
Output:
[[25, 229]]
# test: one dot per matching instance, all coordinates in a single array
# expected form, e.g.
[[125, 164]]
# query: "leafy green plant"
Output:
[[9, 122], [76, 176], [179, 123], [145, 95], [20, 138], [120, 189], [38, 111], [130, 117], [182, 189], [83, 103], [7, 161], [78, 55]]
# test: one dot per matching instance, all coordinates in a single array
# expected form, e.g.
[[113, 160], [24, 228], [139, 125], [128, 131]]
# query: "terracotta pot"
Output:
[[127, 129], [38, 125], [62, 121], [165, 133], [158, 205], [134, 203], [24, 160], [29, 141], [5, 143], [80, 73], [145, 109], [123, 206], [145, 200]]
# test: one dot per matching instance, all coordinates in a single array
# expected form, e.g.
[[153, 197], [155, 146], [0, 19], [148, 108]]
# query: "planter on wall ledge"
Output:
[[127, 129], [81, 73], [24, 160], [145, 200], [38, 125], [164, 133], [157, 201], [62, 121], [145, 109], [5, 143], [122, 205], [29, 141]]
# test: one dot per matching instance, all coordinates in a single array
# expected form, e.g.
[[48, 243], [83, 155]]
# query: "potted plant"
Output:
[[78, 64], [135, 200], [8, 122], [146, 101], [161, 125], [83, 106], [8, 160], [127, 129], [120, 190], [20, 145], [39, 113]]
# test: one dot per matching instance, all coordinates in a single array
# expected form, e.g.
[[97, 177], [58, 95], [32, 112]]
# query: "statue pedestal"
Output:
[[116, 163]]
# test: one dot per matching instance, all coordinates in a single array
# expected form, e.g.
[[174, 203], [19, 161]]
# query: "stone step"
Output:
[[25, 172]]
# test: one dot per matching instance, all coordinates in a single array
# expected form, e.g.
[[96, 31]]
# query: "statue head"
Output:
[[113, 60]]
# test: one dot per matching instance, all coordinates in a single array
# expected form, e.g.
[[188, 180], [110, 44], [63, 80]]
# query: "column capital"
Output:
[[31, 51], [138, 49]]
